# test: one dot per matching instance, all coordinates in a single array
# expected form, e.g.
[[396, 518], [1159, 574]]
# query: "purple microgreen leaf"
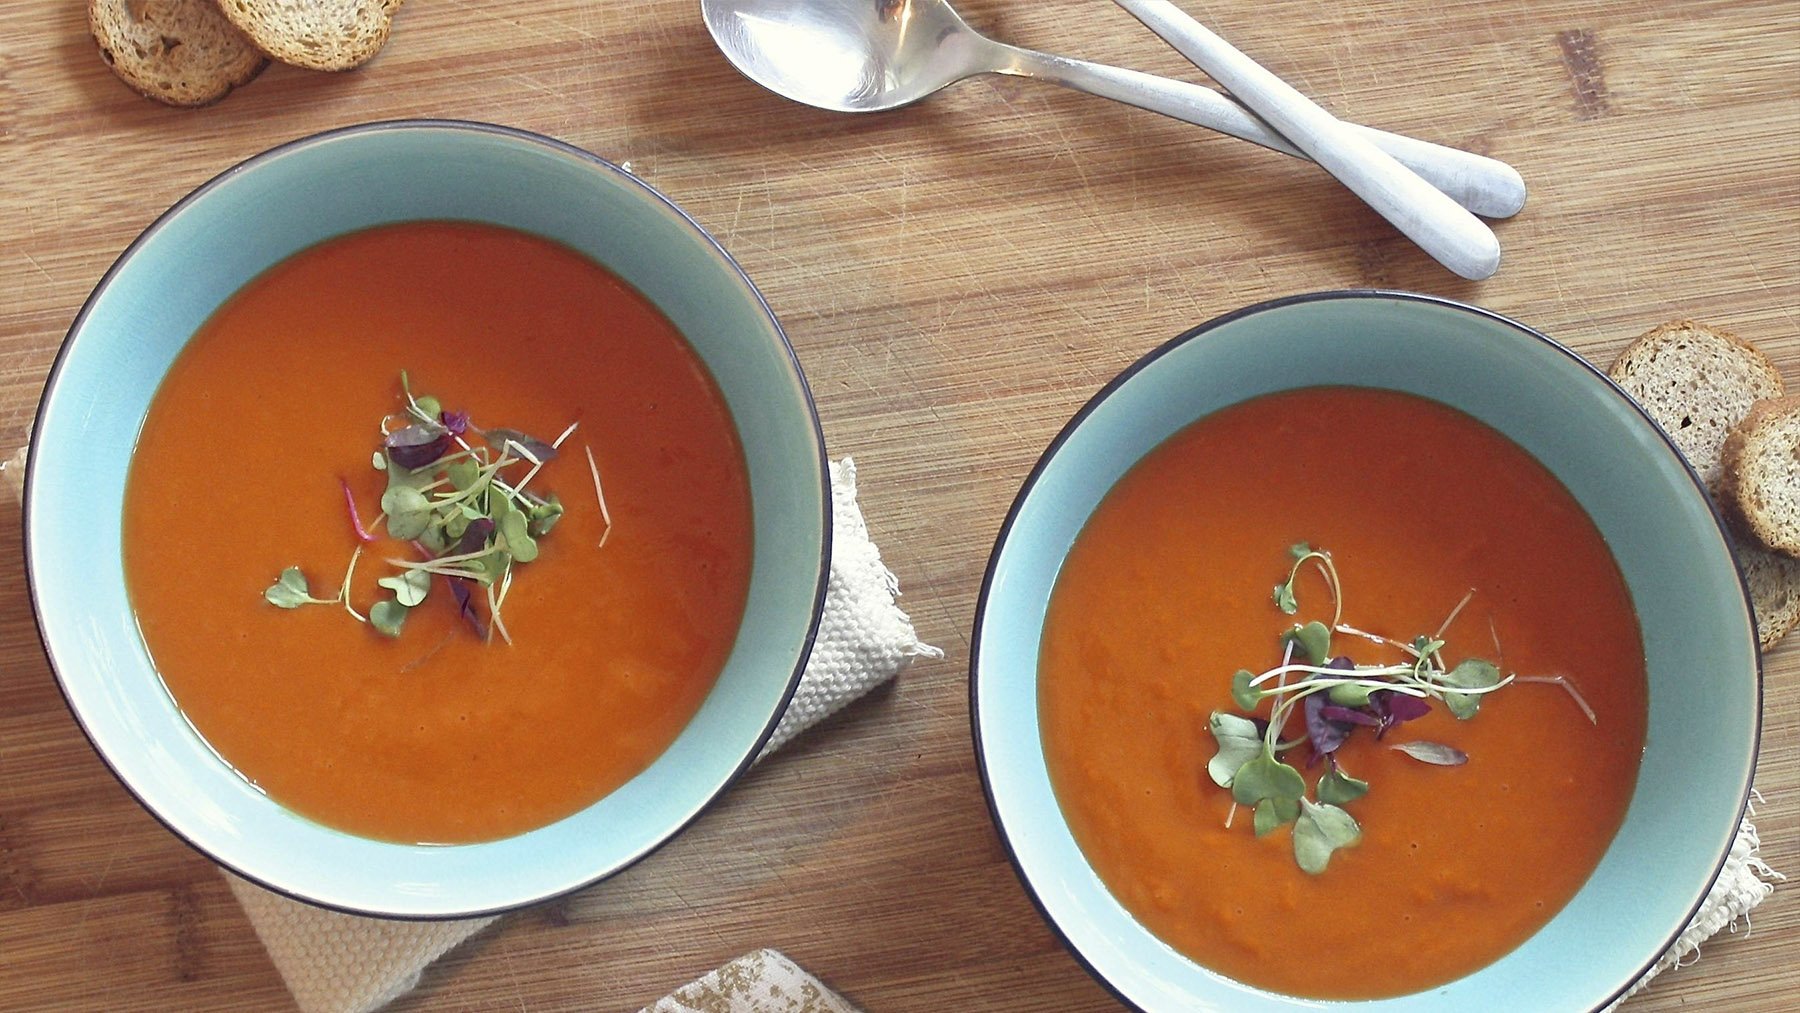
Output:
[[417, 445], [537, 448], [455, 423], [1326, 735], [474, 537], [459, 589], [1407, 708], [1395, 708], [355, 518], [1332, 712], [1435, 753]]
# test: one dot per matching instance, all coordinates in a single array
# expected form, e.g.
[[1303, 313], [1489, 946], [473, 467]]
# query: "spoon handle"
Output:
[[1443, 228], [1486, 186]]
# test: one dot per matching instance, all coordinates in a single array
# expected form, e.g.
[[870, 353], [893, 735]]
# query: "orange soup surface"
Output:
[[1167, 592], [437, 736]]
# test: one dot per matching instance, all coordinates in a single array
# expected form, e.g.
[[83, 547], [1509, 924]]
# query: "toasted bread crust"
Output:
[[178, 52], [315, 34], [1759, 485], [1696, 381], [1774, 583]]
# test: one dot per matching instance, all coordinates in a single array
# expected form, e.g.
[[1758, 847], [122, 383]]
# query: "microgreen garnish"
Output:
[[459, 496], [290, 591], [1335, 697], [1434, 753]]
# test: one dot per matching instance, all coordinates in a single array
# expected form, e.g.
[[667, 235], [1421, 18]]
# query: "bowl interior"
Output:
[[252, 217], [1699, 638]]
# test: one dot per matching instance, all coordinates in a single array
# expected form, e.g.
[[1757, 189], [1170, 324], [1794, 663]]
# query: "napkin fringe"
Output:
[[1744, 882]]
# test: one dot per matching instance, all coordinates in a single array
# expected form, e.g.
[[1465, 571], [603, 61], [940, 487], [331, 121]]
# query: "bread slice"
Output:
[[1774, 582], [315, 34], [1697, 382], [1759, 484], [178, 52]]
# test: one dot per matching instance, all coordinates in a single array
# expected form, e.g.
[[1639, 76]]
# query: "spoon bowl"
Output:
[[852, 56]]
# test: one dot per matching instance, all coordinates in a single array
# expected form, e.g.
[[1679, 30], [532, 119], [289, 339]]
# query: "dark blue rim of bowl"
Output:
[[602, 165], [1149, 358]]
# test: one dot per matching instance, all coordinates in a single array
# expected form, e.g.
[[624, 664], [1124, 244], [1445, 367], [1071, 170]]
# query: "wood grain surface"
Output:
[[957, 277]]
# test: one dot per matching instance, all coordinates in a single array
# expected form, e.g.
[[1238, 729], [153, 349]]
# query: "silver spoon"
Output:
[[870, 55]]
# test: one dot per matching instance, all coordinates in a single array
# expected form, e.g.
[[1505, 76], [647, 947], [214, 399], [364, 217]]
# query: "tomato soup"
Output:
[[439, 734], [1167, 592]]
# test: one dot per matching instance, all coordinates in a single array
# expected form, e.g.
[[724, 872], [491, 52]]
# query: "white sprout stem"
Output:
[[1231, 814], [1337, 591], [518, 491], [344, 590], [599, 494], [461, 557], [490, 473], [522, 449], [505, 585], [1439, 635], [1345, 675], [1569, 687], [494, 620], [440, 568], [1349, 630]]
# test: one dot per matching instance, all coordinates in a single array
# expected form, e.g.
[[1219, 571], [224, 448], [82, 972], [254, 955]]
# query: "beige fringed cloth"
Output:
[[338, 963]]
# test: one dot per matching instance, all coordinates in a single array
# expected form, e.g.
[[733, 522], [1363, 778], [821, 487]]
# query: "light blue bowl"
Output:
[[1699, 635], [193, 259]]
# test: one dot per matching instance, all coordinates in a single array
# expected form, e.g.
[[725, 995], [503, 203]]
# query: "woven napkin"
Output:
[[336, 962]]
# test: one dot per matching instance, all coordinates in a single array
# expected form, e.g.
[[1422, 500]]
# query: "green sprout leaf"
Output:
[[1275, 812], [379, 461], [1339, 788], [1313, 640], [1239, 743], [1321, 829], [408, 511], [409, 586], [518, 540], [1352, 694], [1470, 673], [429, 406], [1242, 693], [388, 616], [1266, 777], [1284, 598], [1434, 753], [291, 591], [463, 473], [545, 515]]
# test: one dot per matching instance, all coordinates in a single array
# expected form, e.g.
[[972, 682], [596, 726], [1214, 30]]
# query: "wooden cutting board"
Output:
[[957, 279]]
